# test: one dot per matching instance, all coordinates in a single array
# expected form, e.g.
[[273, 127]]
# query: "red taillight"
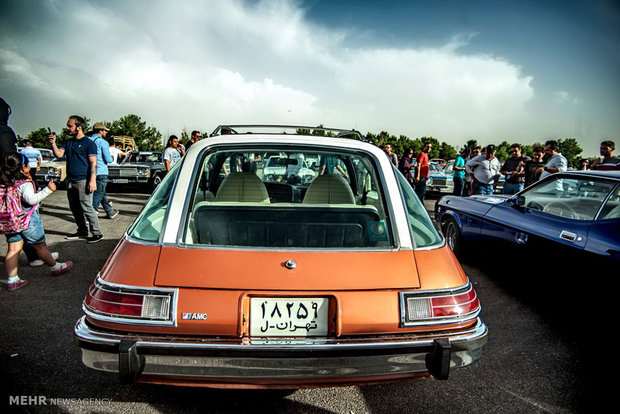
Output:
[[115, 303], [454, 305], [106, 301], [439, 307]]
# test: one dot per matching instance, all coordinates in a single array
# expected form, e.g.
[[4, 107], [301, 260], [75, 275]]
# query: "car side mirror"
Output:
[[519, 201]]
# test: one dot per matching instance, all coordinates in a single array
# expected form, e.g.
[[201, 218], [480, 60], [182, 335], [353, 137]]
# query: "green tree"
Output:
[[447, 151], [147, 138], [471, 143], [502, 151], [39, 138], [571, 149]]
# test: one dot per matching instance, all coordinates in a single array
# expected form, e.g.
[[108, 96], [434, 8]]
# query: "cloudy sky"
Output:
[[521, 71]]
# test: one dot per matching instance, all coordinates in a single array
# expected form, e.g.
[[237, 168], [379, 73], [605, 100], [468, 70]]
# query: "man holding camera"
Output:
[[81, 155]]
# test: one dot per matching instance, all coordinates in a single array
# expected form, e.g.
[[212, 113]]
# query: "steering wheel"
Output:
[[560, 209]]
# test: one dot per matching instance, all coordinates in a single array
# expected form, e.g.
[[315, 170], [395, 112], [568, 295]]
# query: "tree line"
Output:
[[148, 138], [569, 147]]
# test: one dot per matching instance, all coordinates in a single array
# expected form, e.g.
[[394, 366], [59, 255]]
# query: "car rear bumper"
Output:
[[294, 362]]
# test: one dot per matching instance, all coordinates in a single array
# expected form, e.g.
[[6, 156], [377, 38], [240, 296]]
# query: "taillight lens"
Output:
[[128, 302], [451, 306]]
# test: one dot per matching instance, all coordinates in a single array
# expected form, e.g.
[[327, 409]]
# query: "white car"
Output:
[[292, 169], [50, 168]]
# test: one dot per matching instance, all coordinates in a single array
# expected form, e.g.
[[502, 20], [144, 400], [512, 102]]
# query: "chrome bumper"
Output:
[[232, 361]]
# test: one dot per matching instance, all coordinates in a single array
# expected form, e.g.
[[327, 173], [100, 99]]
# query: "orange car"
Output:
[[231, 278]]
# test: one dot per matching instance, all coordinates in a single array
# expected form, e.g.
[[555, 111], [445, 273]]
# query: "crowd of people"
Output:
[[19, 202], [477, 170], [87, 154]]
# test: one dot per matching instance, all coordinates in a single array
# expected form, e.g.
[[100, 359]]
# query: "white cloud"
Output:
[[196, 64], [566, 97], [15, 68]]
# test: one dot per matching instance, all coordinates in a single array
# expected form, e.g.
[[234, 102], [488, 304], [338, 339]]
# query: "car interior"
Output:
[[243, 206]]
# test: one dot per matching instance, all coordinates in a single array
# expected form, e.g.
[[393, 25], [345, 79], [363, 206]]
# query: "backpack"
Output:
[[13, 217]]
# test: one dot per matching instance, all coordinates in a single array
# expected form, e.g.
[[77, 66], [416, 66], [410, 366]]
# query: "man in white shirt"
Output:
[[33, 155], [115, 152], [485, 169], [172, 155], [556, 163]]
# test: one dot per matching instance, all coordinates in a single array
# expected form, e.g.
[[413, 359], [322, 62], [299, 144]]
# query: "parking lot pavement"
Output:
[[58, 222]]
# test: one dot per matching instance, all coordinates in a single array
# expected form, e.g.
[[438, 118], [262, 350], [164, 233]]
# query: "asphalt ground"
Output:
[[534, 362]]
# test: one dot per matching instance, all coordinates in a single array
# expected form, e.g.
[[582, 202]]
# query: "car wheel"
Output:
[[452, 233], [156, 181]]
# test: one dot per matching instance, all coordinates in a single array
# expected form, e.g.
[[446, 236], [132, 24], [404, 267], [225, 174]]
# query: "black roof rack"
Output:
[[293, 130]]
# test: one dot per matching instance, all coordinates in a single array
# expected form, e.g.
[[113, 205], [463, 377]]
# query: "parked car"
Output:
[[566, 215], [139, 167], [442, 163], [287, 168], [228, 279], [438, 180], [50, 168]]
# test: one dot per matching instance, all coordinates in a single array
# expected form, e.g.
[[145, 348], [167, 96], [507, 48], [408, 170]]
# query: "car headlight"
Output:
[[145, 172], [429, 181]]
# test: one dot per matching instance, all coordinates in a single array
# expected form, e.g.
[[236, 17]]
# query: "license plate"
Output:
[[120, 181], [289, 317]]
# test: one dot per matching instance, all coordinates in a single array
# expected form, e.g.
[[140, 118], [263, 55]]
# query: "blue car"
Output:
[[575, 214]]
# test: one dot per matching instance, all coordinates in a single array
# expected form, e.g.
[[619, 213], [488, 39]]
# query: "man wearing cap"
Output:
[[103, 159], [33, 155], [485, 168]]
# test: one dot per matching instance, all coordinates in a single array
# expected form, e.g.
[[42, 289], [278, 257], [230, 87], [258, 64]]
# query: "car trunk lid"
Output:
[[286, 270]]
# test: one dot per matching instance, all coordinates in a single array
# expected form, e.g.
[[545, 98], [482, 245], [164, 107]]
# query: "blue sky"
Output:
[[519, 71]]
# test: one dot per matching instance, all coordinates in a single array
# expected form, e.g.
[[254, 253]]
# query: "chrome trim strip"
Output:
[[387, 200]]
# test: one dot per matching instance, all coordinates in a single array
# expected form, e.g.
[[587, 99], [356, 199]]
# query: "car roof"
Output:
[[287, 130], [613, 174], [322, 142]]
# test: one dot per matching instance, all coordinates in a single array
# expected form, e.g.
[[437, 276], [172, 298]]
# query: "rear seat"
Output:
[[283, 225]]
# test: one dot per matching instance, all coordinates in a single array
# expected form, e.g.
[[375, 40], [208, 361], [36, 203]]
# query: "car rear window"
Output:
[[287, 197]]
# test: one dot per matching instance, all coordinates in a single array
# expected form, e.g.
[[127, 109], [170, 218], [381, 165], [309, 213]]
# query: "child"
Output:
[[15, 172]]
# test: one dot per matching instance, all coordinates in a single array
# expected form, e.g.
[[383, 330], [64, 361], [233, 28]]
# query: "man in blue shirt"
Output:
[[459, 173], [103, 159], [81, 155]]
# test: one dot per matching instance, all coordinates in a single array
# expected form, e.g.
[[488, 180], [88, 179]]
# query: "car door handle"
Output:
[[568, 236]]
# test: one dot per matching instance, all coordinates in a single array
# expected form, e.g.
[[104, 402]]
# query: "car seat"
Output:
[[242, 187], [329, 189]]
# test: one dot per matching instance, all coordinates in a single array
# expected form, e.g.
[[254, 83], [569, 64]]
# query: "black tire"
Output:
[[156, 181], [452, 233]]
